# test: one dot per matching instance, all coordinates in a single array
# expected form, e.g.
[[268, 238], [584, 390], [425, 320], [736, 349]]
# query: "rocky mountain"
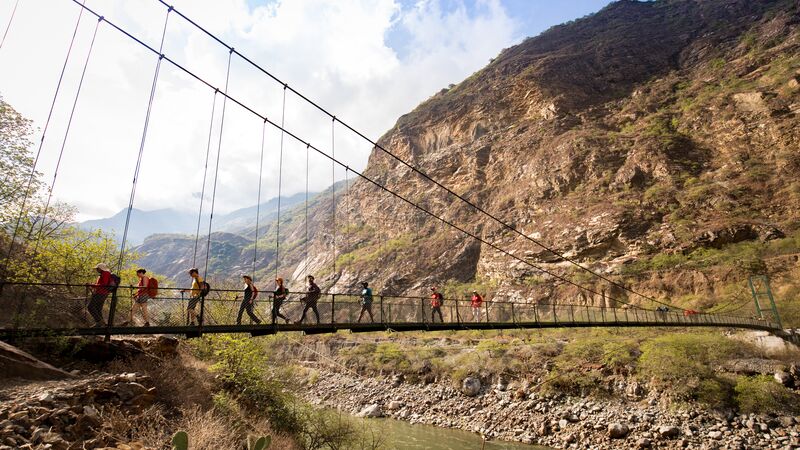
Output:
[[648, 128]]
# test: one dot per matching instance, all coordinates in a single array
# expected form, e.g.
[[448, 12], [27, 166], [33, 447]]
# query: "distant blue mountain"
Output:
[[170, 221]]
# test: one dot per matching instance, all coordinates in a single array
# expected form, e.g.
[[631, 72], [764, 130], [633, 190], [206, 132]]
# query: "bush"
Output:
[[761, 394]]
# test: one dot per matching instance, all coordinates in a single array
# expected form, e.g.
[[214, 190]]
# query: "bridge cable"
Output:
[[8, 27], [205, 173], [424, 174], [333, 200], [280, 185], [64, 141], [32, 174], [359, 174], [306, 211], [144, 138], [216, 168], [258, 201]]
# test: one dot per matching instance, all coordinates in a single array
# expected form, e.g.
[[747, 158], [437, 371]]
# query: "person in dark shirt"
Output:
[[248, 301], [278, 297], [436, 304], [366, 302], [311, 298]]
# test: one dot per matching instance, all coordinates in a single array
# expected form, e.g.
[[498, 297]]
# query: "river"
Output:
[[400, 435]]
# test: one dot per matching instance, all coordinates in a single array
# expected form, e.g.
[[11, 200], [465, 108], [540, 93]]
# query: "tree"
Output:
[[16, 163]]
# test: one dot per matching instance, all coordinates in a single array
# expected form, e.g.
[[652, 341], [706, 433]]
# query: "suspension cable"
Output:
[[333, 201], [280, 184], [305, 222], [359, 174], [216, 168], [8, 27], [144, 138], [419, 171], [205, 173], [66, 135], [32, 175], [258, 201]]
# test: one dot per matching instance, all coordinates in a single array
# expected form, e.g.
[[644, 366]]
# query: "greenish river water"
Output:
[[400, 435]]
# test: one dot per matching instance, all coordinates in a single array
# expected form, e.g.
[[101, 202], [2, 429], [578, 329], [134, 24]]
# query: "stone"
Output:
[[669, 432], [471, 386], [715, 434], [643, 443], [394, 405], [618, 430], [785, 378], [14, 363], [371, 411]]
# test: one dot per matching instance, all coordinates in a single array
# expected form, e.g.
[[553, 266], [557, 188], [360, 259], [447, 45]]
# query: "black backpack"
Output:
[[115, 281], [205, 288]]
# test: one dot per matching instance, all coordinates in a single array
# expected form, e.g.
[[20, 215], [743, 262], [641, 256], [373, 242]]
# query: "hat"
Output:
[[102, 267], [244, 275], [364, 283]]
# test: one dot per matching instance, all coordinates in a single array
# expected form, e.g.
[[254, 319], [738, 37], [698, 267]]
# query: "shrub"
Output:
[[761, 394]]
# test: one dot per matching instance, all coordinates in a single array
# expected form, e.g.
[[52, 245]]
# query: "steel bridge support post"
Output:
[[513, 314], [383, 317], [112, 310], [333, 308]]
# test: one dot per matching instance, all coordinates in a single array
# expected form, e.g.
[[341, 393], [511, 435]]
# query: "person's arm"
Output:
[[255, 294]]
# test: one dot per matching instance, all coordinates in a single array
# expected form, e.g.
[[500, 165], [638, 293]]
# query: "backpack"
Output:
[[152, 288], [438, 301], [205, 288], [115, 281]]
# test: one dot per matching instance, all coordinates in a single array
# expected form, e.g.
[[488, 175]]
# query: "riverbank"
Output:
[[516, 412]]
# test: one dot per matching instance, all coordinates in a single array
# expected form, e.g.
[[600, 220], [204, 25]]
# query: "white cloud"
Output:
[[333, 52]]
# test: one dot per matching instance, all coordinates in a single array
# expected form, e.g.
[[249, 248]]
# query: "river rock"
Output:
[[394, 405], [371, 411], [471, 386], [618, 430]]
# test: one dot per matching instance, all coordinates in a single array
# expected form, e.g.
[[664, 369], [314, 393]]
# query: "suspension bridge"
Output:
[[41, 309]]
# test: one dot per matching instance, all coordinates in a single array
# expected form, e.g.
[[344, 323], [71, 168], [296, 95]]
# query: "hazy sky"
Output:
[[367, 61]]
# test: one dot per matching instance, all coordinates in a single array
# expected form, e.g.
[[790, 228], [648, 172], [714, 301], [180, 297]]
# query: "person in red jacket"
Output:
[[436, 304], [142, 295], [100, 290], [476, 301]]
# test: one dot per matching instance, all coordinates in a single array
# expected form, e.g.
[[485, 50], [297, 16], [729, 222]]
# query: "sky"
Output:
[[366, 61]]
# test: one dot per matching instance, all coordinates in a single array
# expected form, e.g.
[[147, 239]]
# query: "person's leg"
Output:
[[361, 314], [145, 314], [241, 311], [439, 311], [253, 316], [305, 310], [96, 308], [278, 311], [369, 310], [316, 311]]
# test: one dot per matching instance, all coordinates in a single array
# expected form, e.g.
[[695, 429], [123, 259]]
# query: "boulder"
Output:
[[14, 363], [785, 378], [471, 386], [394, 405], [618, 430], [669, 432], [371, 411]]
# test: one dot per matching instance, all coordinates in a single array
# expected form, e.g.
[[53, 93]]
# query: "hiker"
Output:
[[366, 302], [248, 301], [142, 295], [476, 301], [311, 298], [196, 293], [436, 304], [100, 290], [278, 297]]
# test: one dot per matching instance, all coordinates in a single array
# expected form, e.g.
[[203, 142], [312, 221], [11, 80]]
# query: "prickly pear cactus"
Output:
[[261, 443], [180, 441]]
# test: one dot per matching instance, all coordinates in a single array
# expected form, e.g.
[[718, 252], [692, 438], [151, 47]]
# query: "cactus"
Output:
[[180, 441], [261, 443]]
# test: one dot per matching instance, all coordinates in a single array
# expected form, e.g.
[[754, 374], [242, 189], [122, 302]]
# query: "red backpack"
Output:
[[152, 288]]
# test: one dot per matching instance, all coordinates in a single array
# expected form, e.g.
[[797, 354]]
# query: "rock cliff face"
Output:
[[648, 127]]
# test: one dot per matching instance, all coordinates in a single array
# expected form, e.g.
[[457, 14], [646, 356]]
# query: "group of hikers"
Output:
[[147, 289]]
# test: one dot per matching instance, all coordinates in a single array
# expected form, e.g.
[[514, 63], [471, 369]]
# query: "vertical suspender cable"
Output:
[[66, 134], [333, 198], [8, 27], [258, 198], [306, 211], [32, 175], [205, 173], [144, 138], [280, 183], [216, 168]]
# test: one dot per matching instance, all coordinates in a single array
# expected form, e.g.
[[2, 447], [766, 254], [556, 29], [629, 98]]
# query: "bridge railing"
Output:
[[38, 306]]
